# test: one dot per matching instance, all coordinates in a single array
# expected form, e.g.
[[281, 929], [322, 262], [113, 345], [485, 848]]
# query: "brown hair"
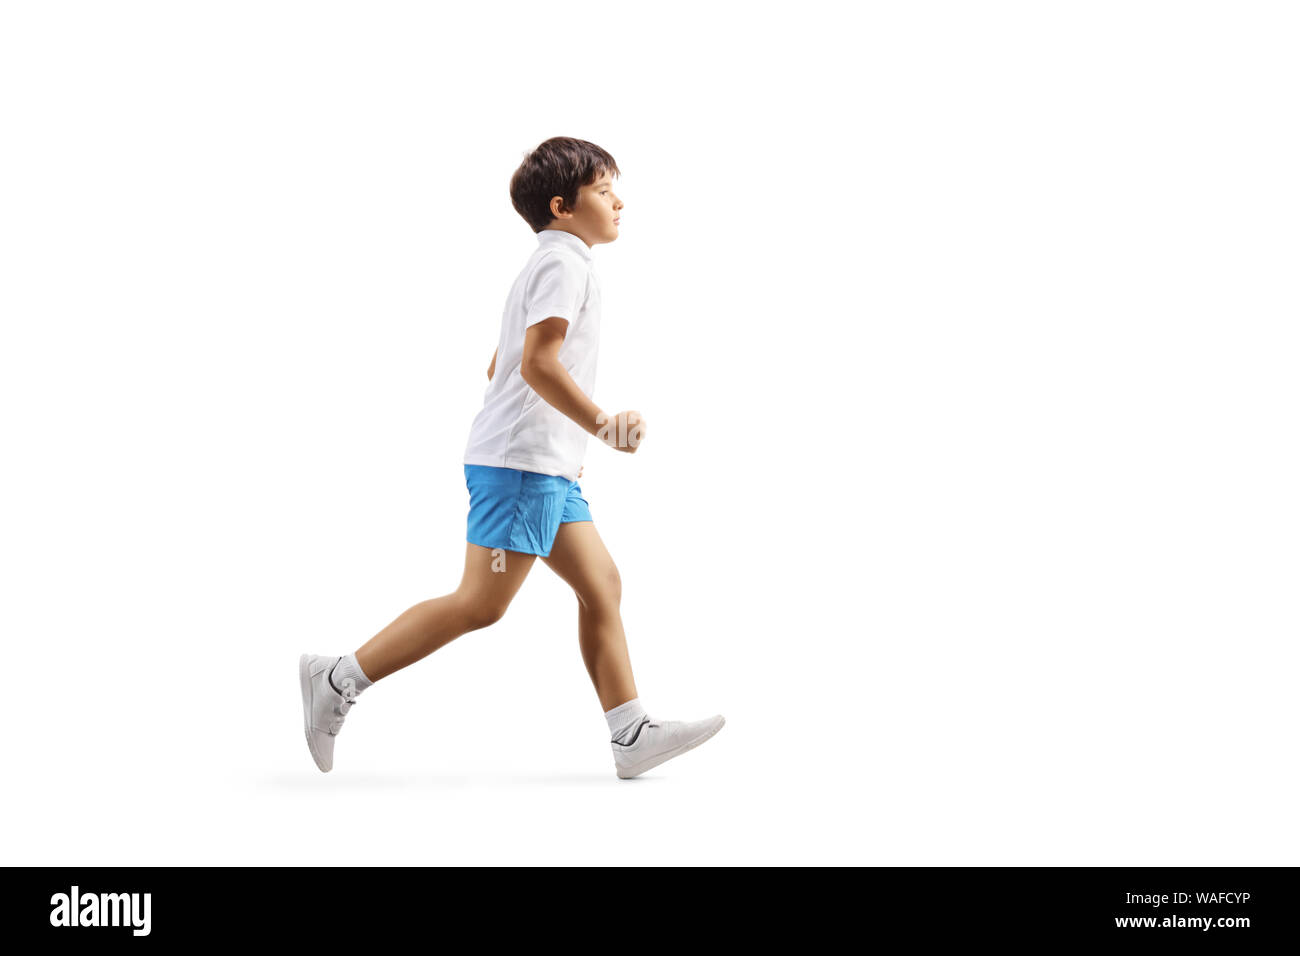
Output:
[[558, 167]]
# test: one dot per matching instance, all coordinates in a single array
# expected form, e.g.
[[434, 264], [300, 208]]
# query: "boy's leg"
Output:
[[491, 580], [579, 557]]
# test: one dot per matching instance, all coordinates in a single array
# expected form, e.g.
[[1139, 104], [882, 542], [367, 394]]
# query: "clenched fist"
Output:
[[624, 432]]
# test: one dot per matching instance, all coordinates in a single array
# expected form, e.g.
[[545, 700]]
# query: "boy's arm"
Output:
[[542, 370], [493, 367]]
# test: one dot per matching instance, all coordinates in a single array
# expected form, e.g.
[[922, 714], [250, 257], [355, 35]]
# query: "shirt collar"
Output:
[[567, 239]]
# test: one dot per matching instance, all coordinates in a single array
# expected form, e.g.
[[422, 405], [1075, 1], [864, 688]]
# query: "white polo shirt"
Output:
[[517, 428]]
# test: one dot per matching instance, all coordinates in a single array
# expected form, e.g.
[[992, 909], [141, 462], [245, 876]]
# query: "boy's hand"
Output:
[[624, 432], [579, 471]]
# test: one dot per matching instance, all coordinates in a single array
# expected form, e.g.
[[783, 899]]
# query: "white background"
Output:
[[966, 340]]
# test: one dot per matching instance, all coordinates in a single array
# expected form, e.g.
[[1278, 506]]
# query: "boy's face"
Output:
[[595, 217]]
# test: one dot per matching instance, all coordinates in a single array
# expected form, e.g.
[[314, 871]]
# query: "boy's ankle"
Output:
[[347, 675]]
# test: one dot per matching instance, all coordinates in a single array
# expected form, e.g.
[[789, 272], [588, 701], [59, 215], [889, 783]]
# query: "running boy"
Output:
[[522, 465]]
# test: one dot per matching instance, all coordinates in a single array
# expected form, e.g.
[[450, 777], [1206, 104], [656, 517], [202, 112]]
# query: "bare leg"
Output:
[[579, 557], [488, 586]]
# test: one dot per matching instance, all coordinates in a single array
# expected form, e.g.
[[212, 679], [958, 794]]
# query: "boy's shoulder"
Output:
[[568, 257], [551, 261]]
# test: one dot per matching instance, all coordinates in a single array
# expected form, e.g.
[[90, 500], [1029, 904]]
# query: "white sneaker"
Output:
[[659, 740], [323, 708]]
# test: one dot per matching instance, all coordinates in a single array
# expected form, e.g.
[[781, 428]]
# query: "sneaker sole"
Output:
[[304, 681], [627, 773]]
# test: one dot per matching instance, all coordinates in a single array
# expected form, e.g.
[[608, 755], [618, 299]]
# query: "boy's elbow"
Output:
[[530, 369]]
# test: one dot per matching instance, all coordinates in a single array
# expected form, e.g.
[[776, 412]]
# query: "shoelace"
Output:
[[645, 723], [349, 696]]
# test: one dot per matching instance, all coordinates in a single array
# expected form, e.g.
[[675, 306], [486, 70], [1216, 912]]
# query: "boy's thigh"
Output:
[[580, 558], [493, 575]]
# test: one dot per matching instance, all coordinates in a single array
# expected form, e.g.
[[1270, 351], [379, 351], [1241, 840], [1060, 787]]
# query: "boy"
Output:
[[522, 465]]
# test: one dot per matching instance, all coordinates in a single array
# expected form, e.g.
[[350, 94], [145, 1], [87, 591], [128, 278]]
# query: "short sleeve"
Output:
[[557, 288]]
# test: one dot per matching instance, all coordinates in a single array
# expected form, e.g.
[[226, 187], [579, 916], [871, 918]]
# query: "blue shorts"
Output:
[[520, 510]]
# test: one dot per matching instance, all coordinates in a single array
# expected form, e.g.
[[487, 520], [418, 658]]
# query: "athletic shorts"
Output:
[[520, 510]]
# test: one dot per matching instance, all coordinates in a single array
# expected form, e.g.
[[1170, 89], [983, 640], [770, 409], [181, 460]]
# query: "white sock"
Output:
[[625, 719], [348, 667]]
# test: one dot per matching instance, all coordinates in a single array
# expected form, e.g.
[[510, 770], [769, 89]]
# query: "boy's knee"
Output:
[[491, 614], [607, 593], [481, 614]]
